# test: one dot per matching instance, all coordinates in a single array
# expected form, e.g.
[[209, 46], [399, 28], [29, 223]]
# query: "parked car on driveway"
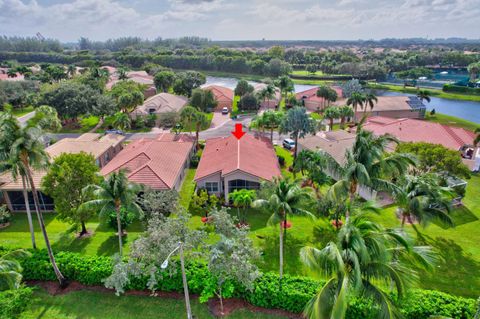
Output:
[[288, 144], [225, 110]]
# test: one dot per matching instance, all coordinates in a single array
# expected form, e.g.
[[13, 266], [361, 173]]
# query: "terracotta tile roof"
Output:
[[5, 77], [260, 86], [311, 94], [255, 156], [92, 143], [161, 103], [140, 77], [335, 143], [411, 130], [221, 93], [154, 162]]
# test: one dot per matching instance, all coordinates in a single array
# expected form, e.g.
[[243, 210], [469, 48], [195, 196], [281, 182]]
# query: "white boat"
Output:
[[444, 72]]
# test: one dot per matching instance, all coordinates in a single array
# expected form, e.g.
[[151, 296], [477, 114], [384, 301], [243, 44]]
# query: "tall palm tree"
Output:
[[285, 85], [267, 93], [424, 95], [11, 270], [323, 92], [29, 150], [122, 74], [331, 113], [370, 100], [355, 100], [473, 69], [9, 132], [345, 112], [12, 73], [187, 116], [270, 120], [422, 198], [477, 137], [113, 194], [200, 120], [71, 70], [287, 198], [366, 164], [363, 260]]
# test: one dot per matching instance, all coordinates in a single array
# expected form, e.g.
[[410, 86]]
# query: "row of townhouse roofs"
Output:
[[226, 163]]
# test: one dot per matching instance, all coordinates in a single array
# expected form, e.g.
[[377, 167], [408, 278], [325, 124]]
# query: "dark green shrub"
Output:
[[281, 160], [14, 302], [151, 120], [126, 219], [426, 303], [294, 293], [5, 215]]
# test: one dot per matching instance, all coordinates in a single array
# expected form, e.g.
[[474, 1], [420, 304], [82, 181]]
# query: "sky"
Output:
[[68, 20]]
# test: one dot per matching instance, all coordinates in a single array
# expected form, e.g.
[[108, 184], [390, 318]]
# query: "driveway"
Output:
[[23, 119], [219, 119]]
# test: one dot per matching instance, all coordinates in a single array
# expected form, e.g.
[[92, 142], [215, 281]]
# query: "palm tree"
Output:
[[200, 120], [356, 100], [332, 96], [122, 121], [12, 73], [11, 270], [122, 74], [10, 131], [29, 151], [242, 198], [366, 164], [424, 95], [187, 116], [270, 120], [286, 85], [422, 198], [113, 194], [267, 93], [370, 100], [323, 92], [312, 165], [331, 113], [345, 112], [287, 198], [362, 261]]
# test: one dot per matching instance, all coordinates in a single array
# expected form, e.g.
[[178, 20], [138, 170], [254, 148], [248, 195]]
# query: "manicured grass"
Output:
[[312, 82], [433, 92], [84, 125], [19, 112], [188, 187], [451, 120], [103, 240], [99, 305], [287, 155], [306, 73]]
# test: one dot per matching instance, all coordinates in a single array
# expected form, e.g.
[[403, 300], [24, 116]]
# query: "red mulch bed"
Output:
[[229, 305]]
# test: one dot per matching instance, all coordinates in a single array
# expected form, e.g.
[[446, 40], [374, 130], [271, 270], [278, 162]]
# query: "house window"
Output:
[[242, 184], [211, 187]]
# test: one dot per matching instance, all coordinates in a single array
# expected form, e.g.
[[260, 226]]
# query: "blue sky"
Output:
[[68, 20]]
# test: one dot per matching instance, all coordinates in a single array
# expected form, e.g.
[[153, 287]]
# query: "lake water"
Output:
[[232, 83], [467, 110]]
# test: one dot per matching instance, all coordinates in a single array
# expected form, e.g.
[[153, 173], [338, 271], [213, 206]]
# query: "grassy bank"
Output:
[[19, 112], [96, 305], [433, 92], [451, 120]]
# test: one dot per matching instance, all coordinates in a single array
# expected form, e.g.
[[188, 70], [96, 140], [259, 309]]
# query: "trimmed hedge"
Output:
[[460, 89], [294, 293], [14, 302]]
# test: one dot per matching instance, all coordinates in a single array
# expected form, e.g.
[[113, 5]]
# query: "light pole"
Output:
[[184, 276]]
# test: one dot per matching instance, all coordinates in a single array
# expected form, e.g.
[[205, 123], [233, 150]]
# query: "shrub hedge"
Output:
[[14, 302], [460, 89], [292, 296]]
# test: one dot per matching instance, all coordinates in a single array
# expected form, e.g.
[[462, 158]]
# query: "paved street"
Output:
[[223, 130]]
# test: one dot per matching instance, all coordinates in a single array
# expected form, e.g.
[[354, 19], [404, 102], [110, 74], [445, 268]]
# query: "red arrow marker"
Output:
[[238, 133]]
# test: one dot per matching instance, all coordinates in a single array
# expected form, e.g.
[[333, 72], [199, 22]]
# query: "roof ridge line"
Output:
[[452, 133], [238, 153]]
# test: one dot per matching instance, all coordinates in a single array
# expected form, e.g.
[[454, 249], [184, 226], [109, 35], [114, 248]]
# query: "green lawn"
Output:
[[63, 237], [451, 120], [287, 155], [188, 187], [19, 112], [84, 125], [433, 92], [306, 73], [98, 305]]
